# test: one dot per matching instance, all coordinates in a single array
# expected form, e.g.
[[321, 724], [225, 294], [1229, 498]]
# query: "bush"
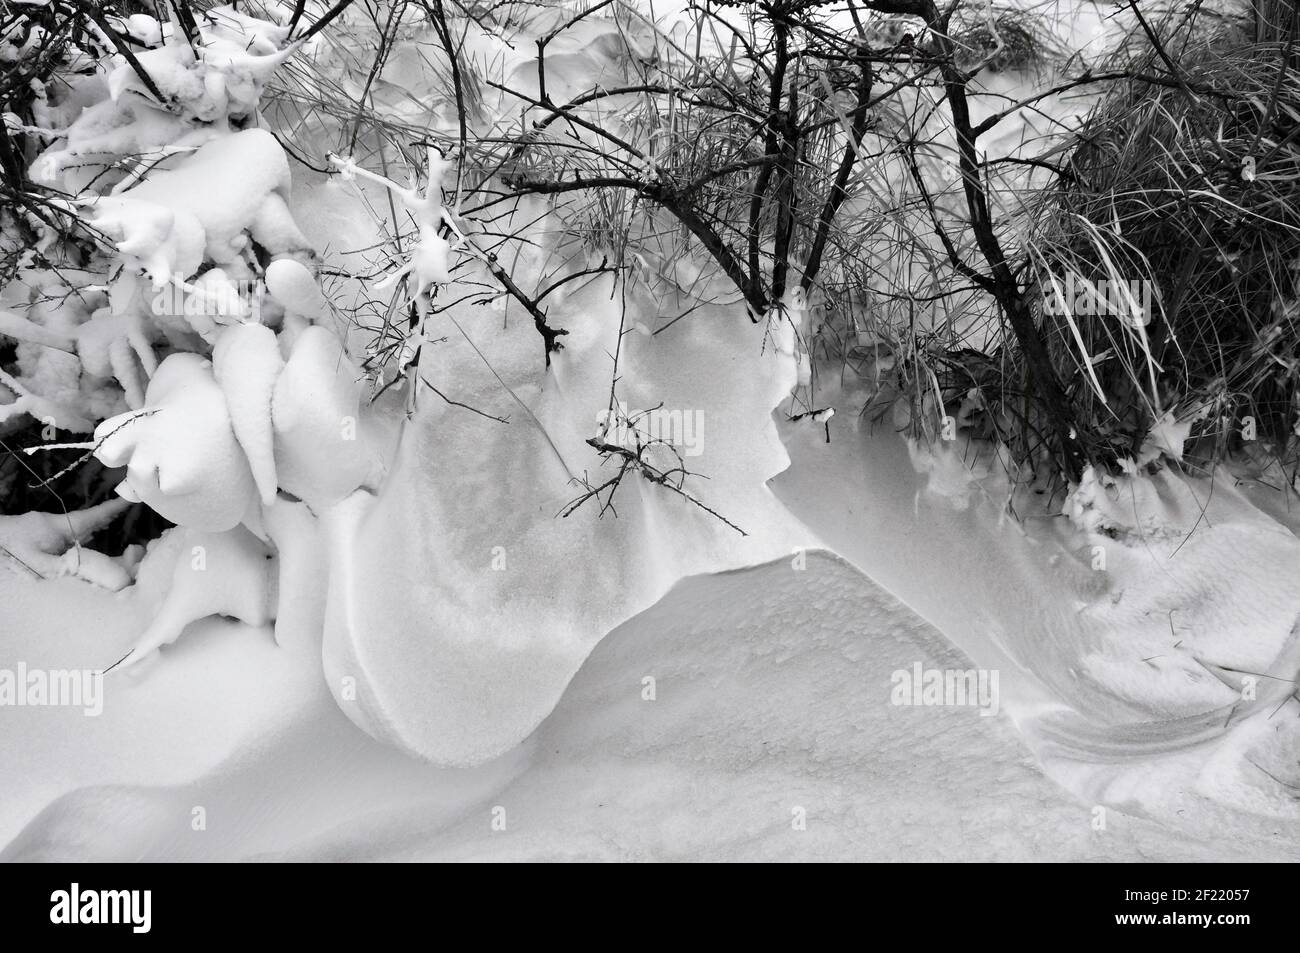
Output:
[[1188, 187]]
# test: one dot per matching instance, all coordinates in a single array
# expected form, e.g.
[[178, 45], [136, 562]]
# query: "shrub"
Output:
[[1189, 187]]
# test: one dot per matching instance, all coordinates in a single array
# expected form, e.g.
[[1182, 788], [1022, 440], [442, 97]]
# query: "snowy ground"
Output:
[[1121, 705], [771, 695]]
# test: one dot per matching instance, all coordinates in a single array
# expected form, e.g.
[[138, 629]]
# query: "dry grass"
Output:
[[1194, 189]]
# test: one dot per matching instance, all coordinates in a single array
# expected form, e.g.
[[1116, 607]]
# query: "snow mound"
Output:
[[1126, 642], [460, 602], [767, 733]]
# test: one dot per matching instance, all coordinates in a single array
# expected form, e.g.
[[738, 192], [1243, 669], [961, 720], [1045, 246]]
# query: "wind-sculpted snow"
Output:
[[462, 591], [1149, 657], [189, 575], [322, 450], [767, 732], [460, 601]]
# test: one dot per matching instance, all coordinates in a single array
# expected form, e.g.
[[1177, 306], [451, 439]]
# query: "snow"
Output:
[[59, 375], [162, 724], [457, 661], [377, 629], [246, 363], [21, 329], [180, 452], [153, 237], [1167, 437], [292, 284], [321, 451], [189, 575], [47, 545], [771, 693], [115, 346], [231, 188], [300, 575], [1122, 653], [429, 261]]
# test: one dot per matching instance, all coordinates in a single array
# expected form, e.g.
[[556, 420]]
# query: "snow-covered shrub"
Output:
[[173, 312]]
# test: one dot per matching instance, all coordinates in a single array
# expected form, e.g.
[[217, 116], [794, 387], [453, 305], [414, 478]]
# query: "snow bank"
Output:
[[460, 602], [770, 694], [1125, 653]]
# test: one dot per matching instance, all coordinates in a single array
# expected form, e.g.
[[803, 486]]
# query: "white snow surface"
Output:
[[771, 695], [459, 661], [180, 453], [1125, 676]]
